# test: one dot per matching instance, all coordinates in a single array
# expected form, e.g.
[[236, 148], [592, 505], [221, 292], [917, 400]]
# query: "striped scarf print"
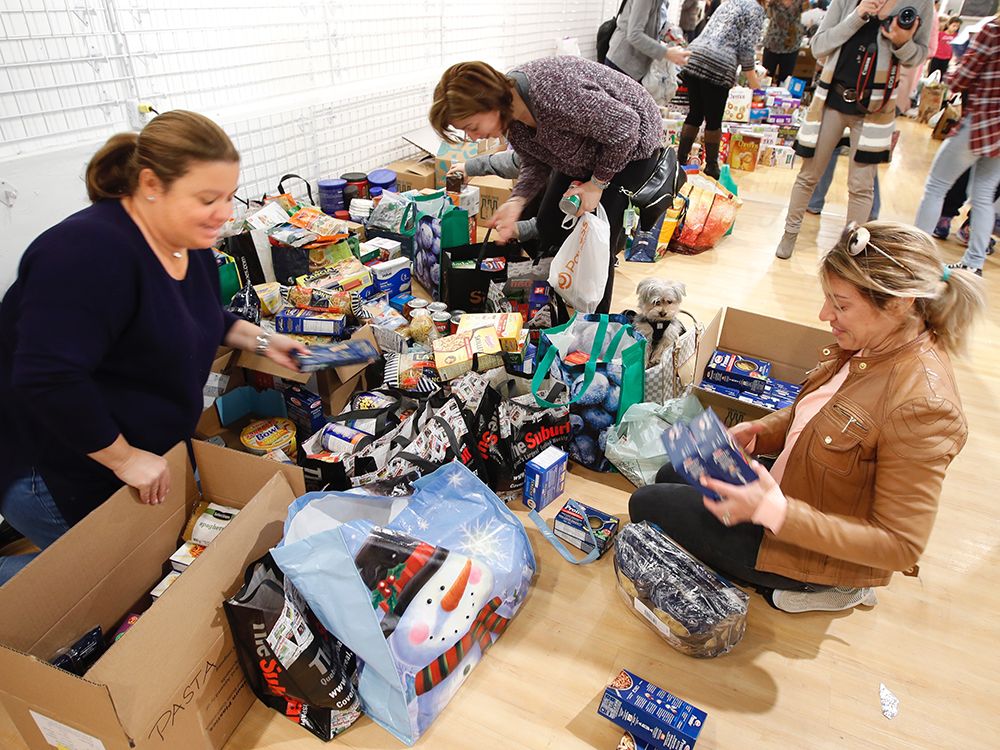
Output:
[[486, 624]]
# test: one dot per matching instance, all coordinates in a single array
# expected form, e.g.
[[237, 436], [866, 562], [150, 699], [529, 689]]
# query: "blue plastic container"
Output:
[[383, 178], [331, 195]]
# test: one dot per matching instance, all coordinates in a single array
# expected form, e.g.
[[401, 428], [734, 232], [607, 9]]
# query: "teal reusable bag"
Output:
[[603, 387]]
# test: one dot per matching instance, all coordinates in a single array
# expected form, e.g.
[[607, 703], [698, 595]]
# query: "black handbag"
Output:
[[656, 194]]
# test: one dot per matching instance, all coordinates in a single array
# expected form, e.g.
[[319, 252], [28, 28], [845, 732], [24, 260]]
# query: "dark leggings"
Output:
[[708, 102], [940, 65], [779, 65], [551, 233], [677, 508]]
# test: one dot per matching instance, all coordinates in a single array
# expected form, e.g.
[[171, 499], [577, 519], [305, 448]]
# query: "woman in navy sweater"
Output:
[[108, 334]]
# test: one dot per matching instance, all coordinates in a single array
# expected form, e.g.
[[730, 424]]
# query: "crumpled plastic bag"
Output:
[[635, 444]]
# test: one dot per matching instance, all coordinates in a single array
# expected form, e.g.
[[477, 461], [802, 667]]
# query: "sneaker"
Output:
[[963, 267], [834, 599], [943, 228], [787, 246], [963, 233]]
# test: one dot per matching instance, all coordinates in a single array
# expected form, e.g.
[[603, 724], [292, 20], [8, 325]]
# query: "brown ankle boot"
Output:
[[688, 135], [712, 140]]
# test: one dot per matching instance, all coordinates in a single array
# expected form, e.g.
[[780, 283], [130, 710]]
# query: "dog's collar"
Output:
[[661, 325]]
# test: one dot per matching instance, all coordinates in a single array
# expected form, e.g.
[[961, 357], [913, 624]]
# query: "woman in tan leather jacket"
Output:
[[862, 453]]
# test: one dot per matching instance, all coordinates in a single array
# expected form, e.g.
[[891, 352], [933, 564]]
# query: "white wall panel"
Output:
[[313, 87]]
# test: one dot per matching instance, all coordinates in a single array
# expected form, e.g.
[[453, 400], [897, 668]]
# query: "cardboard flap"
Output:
[[232, 477], [59, 698], [252, 361], [107, 561], [425, 139], [191, 605]]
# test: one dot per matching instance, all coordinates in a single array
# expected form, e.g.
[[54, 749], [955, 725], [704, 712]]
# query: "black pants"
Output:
[[708, 102], [677, 508], [551, 233], [936, 64], [779, 65]]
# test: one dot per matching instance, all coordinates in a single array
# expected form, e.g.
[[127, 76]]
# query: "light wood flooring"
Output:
[[796, 681]]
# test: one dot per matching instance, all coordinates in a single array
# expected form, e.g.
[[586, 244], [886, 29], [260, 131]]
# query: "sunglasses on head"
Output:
[[860, 240]]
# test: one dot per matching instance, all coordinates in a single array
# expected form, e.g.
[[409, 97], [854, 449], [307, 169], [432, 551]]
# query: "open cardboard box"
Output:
[[792, 349], [441, 155], [493, 192], [173, 680]]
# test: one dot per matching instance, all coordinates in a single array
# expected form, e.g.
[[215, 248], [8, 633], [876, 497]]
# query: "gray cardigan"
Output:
[[634, 45]]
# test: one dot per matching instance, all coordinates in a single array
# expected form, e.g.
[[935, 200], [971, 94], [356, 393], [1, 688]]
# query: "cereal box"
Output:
[[651, 714]]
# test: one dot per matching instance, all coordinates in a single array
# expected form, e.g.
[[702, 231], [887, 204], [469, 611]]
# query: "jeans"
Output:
[[818, 199], [953, 158], [28, 507], [677, 508]]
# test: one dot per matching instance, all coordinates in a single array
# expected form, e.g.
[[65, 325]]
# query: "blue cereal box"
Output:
[[723, 459], [544, 478], [685, 456], [305, 408], [651, 714], [738, 371], [308, 322], [571, 524], [398, 303]]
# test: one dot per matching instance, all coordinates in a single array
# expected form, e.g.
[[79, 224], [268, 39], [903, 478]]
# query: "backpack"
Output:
[[604, 32]]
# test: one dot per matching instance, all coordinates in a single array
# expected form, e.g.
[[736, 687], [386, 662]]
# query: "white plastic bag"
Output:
[[635, 446], [579, 271], [661, 81]]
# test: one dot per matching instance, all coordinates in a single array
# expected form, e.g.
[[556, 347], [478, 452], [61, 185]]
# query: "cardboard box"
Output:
[[792, 349], [650, 713], [413, 174], [493, 193], [305, 408], [453, 355], [336, 384], [507, 325], [743, 151], [173, 680], [310, 322], [544, 478]]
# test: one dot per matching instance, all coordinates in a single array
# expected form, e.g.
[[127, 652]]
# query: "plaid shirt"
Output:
[[978, 77]]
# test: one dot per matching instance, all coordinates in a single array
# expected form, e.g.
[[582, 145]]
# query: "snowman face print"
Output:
[[443, 611]]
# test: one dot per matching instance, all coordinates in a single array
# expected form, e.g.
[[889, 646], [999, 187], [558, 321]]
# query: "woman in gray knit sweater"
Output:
[[728, 41], [578, 127]]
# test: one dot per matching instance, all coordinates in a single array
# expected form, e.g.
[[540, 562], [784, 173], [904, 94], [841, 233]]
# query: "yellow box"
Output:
[[507, 325]]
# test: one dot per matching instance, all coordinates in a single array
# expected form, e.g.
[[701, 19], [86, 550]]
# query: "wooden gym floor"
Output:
[[809, 681]]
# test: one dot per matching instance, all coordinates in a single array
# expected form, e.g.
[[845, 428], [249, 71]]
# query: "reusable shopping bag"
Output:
[[418, 588], [710, 212], [601, 360], [291, 663], [579, 272]]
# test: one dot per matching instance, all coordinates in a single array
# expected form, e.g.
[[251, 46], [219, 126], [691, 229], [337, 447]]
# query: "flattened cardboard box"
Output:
[[173, 681], [792, 349]]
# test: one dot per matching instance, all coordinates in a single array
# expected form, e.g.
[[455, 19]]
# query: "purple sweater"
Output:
[[592, 121]]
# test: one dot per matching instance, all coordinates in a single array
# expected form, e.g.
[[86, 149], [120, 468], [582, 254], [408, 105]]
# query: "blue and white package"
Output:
[[544, 478], [685, 457], [393, 277], [651, 714], [723, 459]]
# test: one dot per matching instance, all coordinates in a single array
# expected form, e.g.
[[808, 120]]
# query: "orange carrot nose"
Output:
[[454, 595]]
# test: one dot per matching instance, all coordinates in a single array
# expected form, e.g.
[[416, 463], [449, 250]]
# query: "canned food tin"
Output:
[[414, 304], [442, 321], [436, 307], [456, 318]]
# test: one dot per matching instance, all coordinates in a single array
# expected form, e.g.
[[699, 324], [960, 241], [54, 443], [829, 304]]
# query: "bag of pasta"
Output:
[[692, 607]]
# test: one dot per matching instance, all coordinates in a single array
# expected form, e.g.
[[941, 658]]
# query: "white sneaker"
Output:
[[828, 600]]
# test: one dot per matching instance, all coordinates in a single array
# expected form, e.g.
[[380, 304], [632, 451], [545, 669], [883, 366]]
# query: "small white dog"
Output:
[[659, 302]]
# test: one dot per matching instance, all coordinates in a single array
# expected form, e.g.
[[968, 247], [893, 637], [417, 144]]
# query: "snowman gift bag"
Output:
[[419, 589], [601, 360]]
